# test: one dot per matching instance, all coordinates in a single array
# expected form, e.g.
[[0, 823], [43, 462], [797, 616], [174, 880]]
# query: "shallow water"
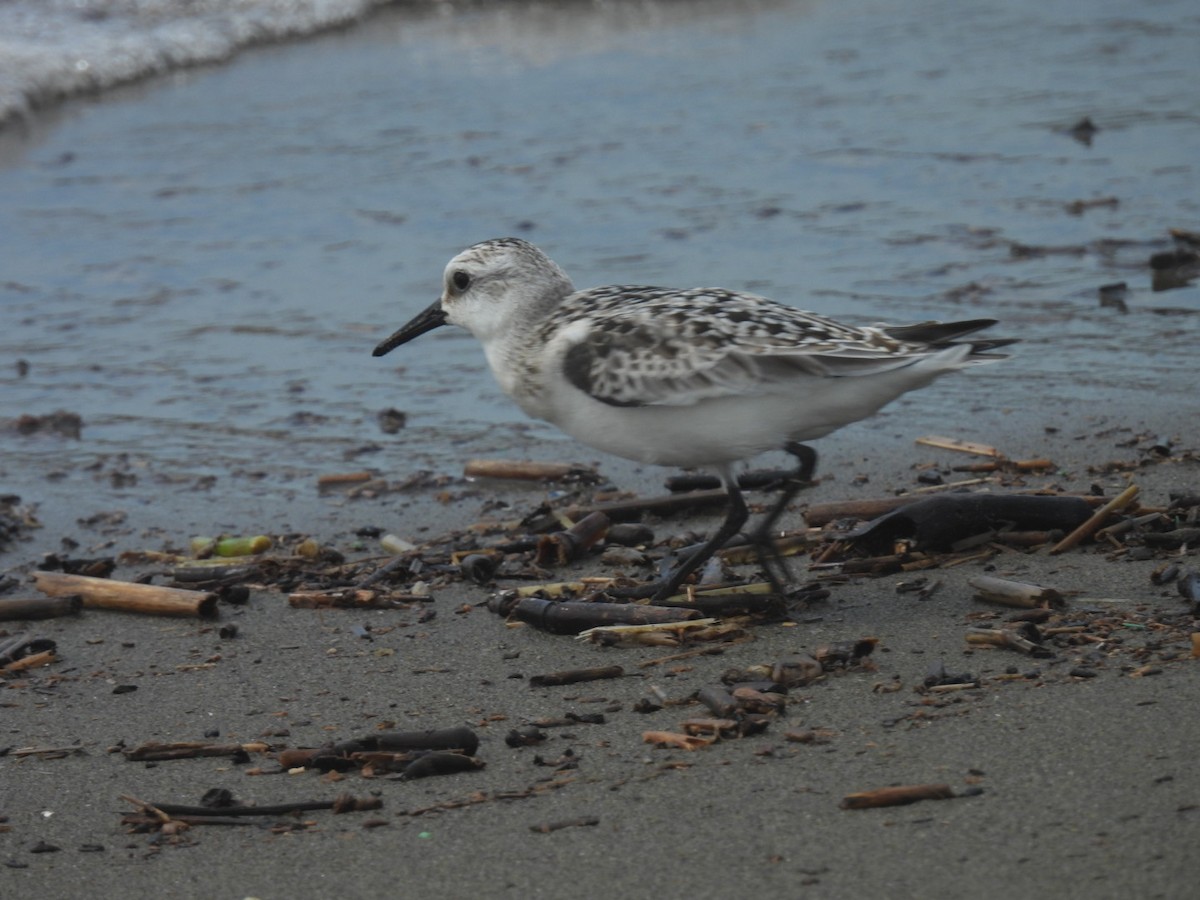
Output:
[[201, 264]]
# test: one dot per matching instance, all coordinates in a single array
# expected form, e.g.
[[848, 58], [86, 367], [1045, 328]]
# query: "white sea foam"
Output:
[[52, 49]]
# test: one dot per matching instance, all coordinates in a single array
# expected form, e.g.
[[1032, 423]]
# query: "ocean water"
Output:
[[199, 263], [52, 49]]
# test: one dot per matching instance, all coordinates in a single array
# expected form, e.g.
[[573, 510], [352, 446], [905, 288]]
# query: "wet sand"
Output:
[[1088, 787], [210, 417]]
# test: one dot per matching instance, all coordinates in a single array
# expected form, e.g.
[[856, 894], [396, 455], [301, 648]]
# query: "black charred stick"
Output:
[[438, 763], [458, 738], [938, 522], [27, 608], [716, 603], [573, 676], [821, 514], [573, 617], [154, 750], [1171, 540], [341, 804]]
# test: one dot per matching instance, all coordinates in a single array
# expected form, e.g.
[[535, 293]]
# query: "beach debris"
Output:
[[354, 598], [958, 445], [174, 818], [344, 479], [1092, 524], [159, 750], [1015, 593], [527, 470], [391, 420], [897, 795], [27, 608], [563, 547], [20, 652], [1024, 637], [225, 546], [408, 754], [573, 676], [665, 634], [60, 422], [103, 593], [943, 521], [579, 822], [15, 519], [45, 752], [574, 616], [1178, 267]]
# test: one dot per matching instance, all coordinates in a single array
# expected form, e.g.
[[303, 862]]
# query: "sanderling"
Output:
[[702, 377]]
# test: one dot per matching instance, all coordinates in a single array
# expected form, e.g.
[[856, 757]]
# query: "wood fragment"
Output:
[[897, 796], [959, 446], [157, 750], [1015, 593], [999, 637], [1089, 527], [104, 593], [572, 676], [1008, 465], [524, 470], [336, 479], [571, 544], [671, 739], [32, 661]]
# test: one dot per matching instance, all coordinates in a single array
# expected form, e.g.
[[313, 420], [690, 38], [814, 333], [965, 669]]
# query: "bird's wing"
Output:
[[637, 346]]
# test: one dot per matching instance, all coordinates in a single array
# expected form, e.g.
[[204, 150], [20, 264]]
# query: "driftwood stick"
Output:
[[573, 676], [947, 443], [103, 593], [1092, 525], [897, 796], [341, 804], [524, 470], [1015, 593], [32, 661], [155, 750]]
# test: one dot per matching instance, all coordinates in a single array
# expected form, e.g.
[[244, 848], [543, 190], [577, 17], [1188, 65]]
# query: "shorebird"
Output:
[[700, 377]]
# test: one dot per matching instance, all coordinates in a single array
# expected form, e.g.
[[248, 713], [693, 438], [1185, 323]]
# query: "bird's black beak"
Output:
[[428, 320]]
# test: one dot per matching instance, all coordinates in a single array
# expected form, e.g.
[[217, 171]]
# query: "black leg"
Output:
[[734, 520], [762, 539]]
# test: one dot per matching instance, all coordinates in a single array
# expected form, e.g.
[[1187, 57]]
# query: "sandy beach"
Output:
[[199, 265]]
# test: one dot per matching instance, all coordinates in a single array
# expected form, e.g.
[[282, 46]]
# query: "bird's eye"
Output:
[[461, 280]]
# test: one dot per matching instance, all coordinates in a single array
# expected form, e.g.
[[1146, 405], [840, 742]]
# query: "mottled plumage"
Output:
[[693, 377]]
